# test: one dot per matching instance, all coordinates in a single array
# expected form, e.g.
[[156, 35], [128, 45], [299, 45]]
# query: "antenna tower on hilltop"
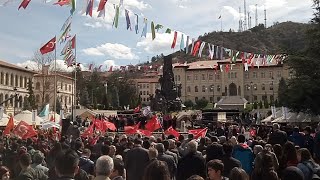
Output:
[[245, 16], [249, 21], [256, 14], [240, 20], [265, 17]]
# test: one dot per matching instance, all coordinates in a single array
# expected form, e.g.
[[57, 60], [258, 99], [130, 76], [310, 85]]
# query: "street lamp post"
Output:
[[15, 100]]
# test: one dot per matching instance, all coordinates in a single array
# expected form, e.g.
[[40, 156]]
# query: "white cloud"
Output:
[[32, 65], [117, 51], [161, 44], [233, 12], [109, 63]]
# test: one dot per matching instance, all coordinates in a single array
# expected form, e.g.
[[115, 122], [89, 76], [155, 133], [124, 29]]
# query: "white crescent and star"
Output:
[[50, 45]]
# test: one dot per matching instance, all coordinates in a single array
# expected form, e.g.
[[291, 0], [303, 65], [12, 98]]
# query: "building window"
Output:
[[248, 87], [263, 75], [147, 85], [246, 75], [218, 75], [218, 88], [254, 75], [210, 76], [196, 89], [65, 87], [47, 98], [7, 79], [148, 99], [271, 74], [47, 85], [178, 77], [229, 75], [204, 98], [21, 81], [196, 99], [144, 92], [255, 87], [144, 85], [25, 82], [188, 78], [255, 98], [271, 98], [37, 86], [147, 92], [195, 77], [12, 80], [16, 81], [203, 77], [65, 100], [140, 92], [69, 100], [37, 98], [188, 89], [235, 75], [69, 87], [203, 88], [211, 88], [264, 97], [211, 98], [218, 98], [1, 78], [271, 86], [279, 74], [263, 87]]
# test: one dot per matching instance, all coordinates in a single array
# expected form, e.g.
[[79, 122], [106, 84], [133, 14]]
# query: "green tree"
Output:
[[58, 105], [255, 105], [276, 103], [266, 103], [30, 103], [201, 103], [282, 92], [304, 86], [189, 104], [260, 105]]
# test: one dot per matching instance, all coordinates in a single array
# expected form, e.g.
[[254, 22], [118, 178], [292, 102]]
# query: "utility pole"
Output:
[[249, 21], [240, 20]]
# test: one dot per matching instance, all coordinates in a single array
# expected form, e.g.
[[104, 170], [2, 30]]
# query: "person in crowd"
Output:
[[297, 137], [173, 148], [195, 177], [136, 160], [153, 154], [172, 166], [214, 150], [166, 146], [277, 136], [112, 151], [4, 173], [85, 162], [27, 172], [308, 139], [238, 173], [202, 145], [289, 155], [317, 144], [257, 149], [38, 159], [227, 159], [103, 168], [118, 172], [192, 163], [292, 173], [258, 164], [157, 170], [51, 156], [244, 154], [306, 164], [67, 166], [265, 169], [215, 169]]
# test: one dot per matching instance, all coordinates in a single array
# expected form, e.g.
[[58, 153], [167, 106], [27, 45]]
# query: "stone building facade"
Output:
[[205, 79], [147, 85], [14, 80]]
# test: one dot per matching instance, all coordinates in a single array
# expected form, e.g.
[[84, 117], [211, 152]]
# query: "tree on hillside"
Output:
[[304, 86]]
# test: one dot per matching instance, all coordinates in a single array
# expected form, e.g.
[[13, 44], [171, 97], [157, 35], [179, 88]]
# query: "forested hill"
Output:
[[283, 37]]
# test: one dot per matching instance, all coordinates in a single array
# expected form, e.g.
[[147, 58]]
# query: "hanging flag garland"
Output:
[[153, 32], [174, 40]]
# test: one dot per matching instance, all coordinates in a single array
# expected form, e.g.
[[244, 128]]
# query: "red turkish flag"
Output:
[[171, 131], [144, 132], [73, 42], [88, 131], [153, 124], [49, 46], [24, 4], [137, 109], [62, 2], [109, 125], [197, 133], [131, 129], [9, 127], [24, 130]]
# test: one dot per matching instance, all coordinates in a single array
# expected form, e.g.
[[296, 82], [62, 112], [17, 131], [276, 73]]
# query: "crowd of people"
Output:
[[270, 154]]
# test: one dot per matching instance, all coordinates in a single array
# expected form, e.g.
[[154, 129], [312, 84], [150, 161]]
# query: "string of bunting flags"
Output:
[[188, 45]]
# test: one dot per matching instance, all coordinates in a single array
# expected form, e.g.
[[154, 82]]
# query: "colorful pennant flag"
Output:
[[145, 28], [24, 4], [153, 32], [128, 19], [187, 45], [174, 40], [89, 8], [116, 17], [62, 2], [102, 13], [73, 6], [137, 24], [101, 5], [182, 43]]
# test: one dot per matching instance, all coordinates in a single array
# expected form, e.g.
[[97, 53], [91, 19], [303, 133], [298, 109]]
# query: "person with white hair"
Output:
[[104, 167], [191, 164], [277, 136]]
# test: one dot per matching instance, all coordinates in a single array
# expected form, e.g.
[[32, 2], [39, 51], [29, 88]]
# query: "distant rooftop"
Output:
[[12, 66]]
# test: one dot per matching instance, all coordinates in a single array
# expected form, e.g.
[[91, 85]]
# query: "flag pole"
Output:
[[55, 80], [221, 23], [75, 79]]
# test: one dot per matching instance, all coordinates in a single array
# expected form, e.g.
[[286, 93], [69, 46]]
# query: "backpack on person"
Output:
[[314, 169]]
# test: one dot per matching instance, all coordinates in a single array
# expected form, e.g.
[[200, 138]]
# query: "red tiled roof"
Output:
[[12, 66]]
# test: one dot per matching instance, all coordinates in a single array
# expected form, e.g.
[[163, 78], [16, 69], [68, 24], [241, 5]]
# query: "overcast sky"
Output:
[[23, 32]]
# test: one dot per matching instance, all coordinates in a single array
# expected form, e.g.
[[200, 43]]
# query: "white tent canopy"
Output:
[[26, 116], [278, 114], [5, 119]]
